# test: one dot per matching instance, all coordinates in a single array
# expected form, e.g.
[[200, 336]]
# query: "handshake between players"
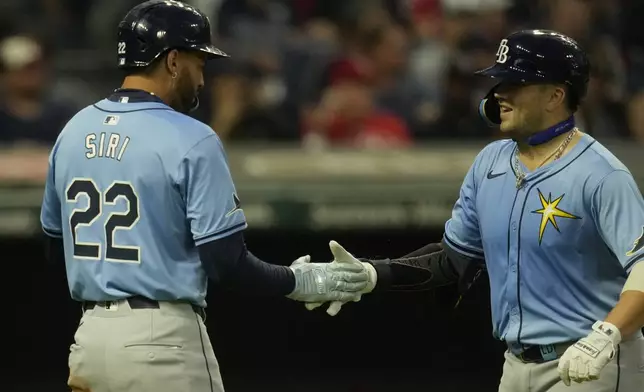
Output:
[[342, 280], [142, 232]]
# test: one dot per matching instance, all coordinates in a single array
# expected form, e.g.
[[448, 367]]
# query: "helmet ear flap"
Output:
[[489, 109]]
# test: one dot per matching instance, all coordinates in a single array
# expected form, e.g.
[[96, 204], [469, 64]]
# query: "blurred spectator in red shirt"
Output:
[[347, 115]]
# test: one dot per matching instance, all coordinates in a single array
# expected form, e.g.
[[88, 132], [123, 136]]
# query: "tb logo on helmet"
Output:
[[502, 52]]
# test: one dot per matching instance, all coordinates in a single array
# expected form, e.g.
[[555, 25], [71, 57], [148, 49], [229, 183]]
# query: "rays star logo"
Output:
[[550, 211]]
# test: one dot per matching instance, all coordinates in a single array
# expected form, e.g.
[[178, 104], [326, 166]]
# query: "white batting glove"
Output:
[[340, 255], [584, 360], [322, 282]]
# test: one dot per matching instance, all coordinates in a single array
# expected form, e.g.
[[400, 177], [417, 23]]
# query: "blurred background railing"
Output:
[[285, 187], [352, 120]]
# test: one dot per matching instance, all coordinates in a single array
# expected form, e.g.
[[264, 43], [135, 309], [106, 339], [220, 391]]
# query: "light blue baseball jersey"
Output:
[[133, 188], [557, 250]]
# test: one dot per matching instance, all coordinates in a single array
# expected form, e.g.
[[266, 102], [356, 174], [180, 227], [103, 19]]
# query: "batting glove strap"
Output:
[[608, 330], [603, 335]]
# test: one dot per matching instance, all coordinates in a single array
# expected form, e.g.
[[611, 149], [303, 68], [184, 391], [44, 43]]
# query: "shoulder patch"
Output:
[[638, 244], [237, 206]]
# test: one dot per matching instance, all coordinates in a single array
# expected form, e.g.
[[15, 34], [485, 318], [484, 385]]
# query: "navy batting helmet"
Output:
[[537, 56], [156, 26]]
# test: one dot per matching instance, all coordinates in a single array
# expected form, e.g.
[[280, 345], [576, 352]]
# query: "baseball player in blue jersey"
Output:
[[557, 221], [140, 205]]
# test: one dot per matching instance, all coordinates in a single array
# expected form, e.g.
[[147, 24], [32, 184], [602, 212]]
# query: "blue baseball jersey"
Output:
[[559, 249], [133, 188]]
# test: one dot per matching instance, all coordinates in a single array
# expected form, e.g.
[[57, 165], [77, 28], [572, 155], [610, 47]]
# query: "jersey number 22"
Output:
[[86, 217]]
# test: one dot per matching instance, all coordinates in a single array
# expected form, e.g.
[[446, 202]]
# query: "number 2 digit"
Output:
[[84, 217], [115, 221]]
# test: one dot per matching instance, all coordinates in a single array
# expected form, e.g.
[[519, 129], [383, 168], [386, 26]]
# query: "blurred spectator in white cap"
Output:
[[27, 114]]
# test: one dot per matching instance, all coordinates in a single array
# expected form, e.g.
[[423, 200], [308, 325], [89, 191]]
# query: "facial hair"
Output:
[[186, 96]]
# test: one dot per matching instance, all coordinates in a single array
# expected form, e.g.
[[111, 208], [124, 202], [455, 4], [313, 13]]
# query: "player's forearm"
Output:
[[252, 275], [429, 267], [628, 314], [228, 263], [418, 273]]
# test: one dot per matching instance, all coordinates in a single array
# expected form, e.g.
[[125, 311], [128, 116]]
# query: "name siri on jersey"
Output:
[[105, 145]]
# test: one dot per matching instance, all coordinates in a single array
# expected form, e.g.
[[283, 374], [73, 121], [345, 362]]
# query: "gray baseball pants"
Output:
[[625, 373], [118, 348]]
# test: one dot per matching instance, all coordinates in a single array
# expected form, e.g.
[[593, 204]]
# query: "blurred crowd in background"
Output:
[[356, 73]]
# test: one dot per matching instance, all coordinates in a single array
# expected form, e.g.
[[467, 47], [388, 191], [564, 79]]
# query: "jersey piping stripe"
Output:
[[52, 233], [131, 111], [218, 233], [462, 249], [632, 261]]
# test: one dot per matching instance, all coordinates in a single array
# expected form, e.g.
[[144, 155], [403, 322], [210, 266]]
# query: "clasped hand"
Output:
[[340, 281], [343, 258]]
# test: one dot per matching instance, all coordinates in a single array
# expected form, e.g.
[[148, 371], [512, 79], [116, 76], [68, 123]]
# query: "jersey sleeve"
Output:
[[462, 229], [213, 209], [618, 211], [50, 211]]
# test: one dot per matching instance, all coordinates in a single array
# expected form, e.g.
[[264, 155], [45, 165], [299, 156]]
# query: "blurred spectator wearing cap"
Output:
[[347, 115], [27, 114], [240, 105]]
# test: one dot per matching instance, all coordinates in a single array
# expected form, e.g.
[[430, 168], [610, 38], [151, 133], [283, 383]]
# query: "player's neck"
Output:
[[137, 82], [535, 154], [542, 150]]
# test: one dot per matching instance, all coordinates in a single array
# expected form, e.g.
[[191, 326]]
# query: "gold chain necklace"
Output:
[[520, 174]]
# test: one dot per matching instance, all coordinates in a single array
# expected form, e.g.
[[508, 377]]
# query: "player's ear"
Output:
[[557, 97], [171, 60]]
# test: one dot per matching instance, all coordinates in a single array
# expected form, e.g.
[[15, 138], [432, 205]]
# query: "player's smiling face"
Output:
[[521, 107], [525, 107]]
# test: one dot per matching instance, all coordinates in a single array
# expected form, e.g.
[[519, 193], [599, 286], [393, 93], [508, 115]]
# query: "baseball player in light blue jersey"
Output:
[[558, 222], [140, 206]]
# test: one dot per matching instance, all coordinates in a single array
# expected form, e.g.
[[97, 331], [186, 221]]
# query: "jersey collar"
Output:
[[130, 95], [555, 166]]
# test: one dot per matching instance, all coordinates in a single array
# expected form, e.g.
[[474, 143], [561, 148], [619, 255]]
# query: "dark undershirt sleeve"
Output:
[[427, 268], [229, 264], [54, 249]]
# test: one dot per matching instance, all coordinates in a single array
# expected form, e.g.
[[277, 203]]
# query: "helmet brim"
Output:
[[211, 51], [511, 74], [494, 71]]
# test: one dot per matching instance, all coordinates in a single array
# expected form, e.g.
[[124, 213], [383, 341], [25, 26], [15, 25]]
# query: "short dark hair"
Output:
[[153, 66], [147, 70], [572, 100]]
